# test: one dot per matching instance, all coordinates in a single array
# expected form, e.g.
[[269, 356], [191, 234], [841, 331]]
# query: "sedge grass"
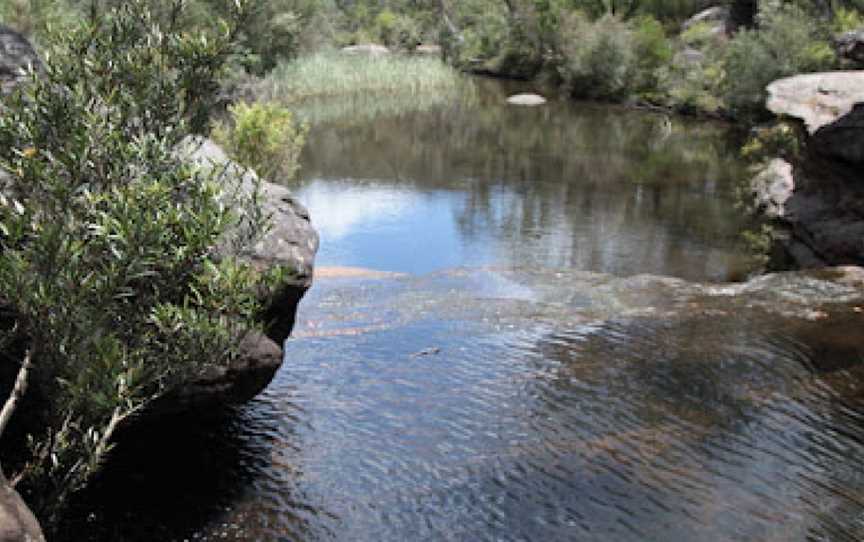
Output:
[[338, 74]]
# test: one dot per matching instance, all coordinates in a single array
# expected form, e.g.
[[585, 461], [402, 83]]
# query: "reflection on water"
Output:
[[479, 182], [727, 414], [527, 399]]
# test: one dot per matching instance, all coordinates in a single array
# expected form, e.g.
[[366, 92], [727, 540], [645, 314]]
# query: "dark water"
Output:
[[521, 378]]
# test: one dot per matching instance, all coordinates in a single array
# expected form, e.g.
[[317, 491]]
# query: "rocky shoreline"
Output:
[[818, 202]]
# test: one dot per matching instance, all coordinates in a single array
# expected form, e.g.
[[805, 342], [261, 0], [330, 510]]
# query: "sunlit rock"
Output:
[[772, 187], [526, 99]]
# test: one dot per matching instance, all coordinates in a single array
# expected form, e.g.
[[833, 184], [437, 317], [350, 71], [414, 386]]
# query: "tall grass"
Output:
[[338, 74]]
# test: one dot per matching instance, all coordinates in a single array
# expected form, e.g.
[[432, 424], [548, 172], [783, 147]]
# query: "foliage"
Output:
[[111, 257], [780, 139], [598, 58], [331, 74], [263, 137], [787, 42], [847, 19]]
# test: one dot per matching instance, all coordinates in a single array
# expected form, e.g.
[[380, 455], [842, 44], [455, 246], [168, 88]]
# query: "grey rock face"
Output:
[[17, 523], [824, 213], [291, 242], [850, 45], [772, 187], [16, 54]]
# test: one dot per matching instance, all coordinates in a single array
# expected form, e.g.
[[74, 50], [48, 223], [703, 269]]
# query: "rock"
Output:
[[291, 242], [831, 105], [850, 45], [245, 378], [717, 17], [772, 187], [823, 219], [428, 49], [818, 99], [16, 54], [526, 99], [17, 522], [371, 49]]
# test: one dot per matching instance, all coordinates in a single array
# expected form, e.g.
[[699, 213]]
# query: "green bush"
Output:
[[787, 42], [264, 137], [847, 19], [113, 265], [598, 58]]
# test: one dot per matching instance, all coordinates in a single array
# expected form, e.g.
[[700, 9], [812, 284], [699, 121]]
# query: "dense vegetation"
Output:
[[620, 50], [121, 266], [114, 267]]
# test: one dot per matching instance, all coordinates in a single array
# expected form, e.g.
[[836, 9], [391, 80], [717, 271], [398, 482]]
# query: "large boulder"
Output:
[[823, 216], [16, 54], [831, 106], [17, 523], [292, 243]]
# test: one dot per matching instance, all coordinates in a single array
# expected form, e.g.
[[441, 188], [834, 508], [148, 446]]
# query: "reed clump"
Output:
[[338, 74]]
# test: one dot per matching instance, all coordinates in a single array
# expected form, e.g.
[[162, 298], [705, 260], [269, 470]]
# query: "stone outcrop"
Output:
[[824, 216], [17, 523], [292, 243], [850, 46], [772, 187], [16, 54]]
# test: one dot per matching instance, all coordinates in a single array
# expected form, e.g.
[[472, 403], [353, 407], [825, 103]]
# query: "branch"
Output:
[[16, 394]]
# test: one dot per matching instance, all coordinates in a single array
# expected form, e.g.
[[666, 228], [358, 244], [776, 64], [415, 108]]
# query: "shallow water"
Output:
[[503, 369]]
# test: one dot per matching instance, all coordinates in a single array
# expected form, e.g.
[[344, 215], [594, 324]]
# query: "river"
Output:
[[523, 329]]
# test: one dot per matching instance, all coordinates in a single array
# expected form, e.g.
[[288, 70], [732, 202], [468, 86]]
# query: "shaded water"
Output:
[[512, 376]]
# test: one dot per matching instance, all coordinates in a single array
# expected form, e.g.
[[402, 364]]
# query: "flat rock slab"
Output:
[[526, 99], [818, 99]]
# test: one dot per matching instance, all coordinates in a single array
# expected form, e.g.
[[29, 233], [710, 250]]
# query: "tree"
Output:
[[121, 274]]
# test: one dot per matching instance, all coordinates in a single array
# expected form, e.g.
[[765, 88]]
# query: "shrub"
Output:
[[787, 42], [598, 59], [847, 19], [112, 264], [653, 51], [264, 137]]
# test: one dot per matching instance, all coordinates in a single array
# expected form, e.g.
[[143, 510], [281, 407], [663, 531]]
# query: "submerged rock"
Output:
[[526, 99], [16, 54]]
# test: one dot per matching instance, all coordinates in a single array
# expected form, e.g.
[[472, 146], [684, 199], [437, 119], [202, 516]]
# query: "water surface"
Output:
[[510, 370]]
